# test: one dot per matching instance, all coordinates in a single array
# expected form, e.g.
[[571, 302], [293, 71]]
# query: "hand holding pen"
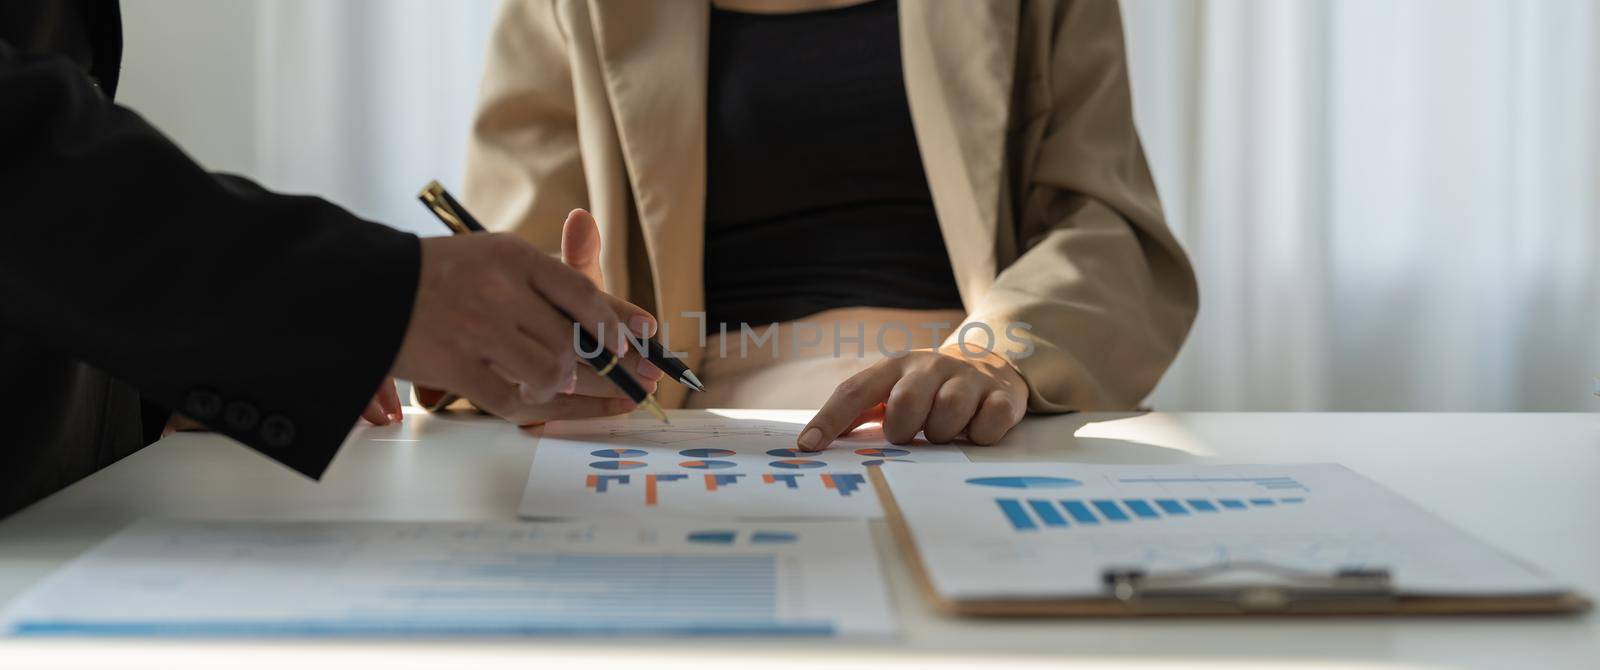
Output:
[[475, 328], [581, 249]]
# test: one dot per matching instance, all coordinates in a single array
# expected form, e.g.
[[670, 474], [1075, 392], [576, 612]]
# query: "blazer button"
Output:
[[277, 431], [202, 405], [241, 416]]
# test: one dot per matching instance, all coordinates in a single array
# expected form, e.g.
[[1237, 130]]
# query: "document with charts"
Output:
[[726, 467], [1049, 530], [252, 579]]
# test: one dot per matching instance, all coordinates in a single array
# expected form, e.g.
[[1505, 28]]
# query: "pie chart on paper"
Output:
[[707, 465], [616, 465], [1026, 482], [796, 464], [883, 453], [706, 453]]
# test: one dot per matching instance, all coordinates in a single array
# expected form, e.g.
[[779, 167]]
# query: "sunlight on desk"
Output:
[[1156, 430]]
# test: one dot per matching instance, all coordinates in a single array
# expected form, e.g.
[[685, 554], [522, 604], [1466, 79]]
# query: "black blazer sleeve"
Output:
[[267, 317]]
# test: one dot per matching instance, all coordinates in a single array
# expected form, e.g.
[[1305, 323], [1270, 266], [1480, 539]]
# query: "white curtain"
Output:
[[366, 100], [1392, 204]]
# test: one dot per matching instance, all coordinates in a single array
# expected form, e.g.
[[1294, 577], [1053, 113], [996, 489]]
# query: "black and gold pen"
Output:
[[649, 348], [604, 362]]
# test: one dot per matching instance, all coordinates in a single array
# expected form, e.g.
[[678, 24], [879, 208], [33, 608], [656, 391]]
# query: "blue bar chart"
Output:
[[844, 484], [841, 484], [1034, 514], [600, 483], [714, 482], [787, 480], [1109, 510]]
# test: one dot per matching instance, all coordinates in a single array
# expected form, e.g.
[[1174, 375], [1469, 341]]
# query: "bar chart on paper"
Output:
[[1031, 514], [728, 468], [1044, 503], [978, 526]]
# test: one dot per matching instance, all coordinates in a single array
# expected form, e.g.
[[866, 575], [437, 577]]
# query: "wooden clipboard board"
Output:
[[1563, 603]]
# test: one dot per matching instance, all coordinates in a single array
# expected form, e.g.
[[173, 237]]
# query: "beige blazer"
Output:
[[1021, 111]]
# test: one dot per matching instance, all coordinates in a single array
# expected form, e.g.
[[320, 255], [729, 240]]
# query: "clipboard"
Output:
[[1131, 591]]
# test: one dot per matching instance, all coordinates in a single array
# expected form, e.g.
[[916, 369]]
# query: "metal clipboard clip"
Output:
[[1250, 587]]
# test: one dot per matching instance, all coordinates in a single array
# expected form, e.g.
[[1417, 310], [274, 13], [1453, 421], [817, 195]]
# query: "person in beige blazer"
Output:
[[1022, 117]]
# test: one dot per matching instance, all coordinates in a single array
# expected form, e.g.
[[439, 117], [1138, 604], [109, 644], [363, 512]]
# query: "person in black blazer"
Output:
[[134, 284]]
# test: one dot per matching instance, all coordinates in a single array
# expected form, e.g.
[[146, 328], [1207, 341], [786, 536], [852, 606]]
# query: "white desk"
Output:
[[1526, 482]]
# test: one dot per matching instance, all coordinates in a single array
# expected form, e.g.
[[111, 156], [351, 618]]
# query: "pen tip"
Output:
[[694, 382], [651, 406]]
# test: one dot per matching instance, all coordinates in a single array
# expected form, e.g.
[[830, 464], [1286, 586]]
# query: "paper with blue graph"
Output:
[[1049, 530], [724, 467], [250, 579]]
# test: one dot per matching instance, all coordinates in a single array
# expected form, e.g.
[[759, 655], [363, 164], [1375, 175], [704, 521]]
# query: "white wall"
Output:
[[359, 101], [189, 66], [1391, 205]]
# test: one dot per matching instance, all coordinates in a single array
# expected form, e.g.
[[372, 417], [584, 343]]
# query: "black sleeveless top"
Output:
[[815, 193]]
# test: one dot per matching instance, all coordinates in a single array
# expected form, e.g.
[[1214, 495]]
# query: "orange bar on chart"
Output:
[[711, 482], [766, 478], [650, 490], [827, 481], [591, 481]]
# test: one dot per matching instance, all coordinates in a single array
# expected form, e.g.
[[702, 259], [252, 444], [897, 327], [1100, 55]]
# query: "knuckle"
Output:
[[548, 372], [906, 395]]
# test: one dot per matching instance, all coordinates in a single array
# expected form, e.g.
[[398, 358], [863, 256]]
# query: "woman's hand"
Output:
[[942, 393], [384, 407]]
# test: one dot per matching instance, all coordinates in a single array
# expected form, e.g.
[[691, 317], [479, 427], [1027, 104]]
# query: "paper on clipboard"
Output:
[[1045, 531]]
